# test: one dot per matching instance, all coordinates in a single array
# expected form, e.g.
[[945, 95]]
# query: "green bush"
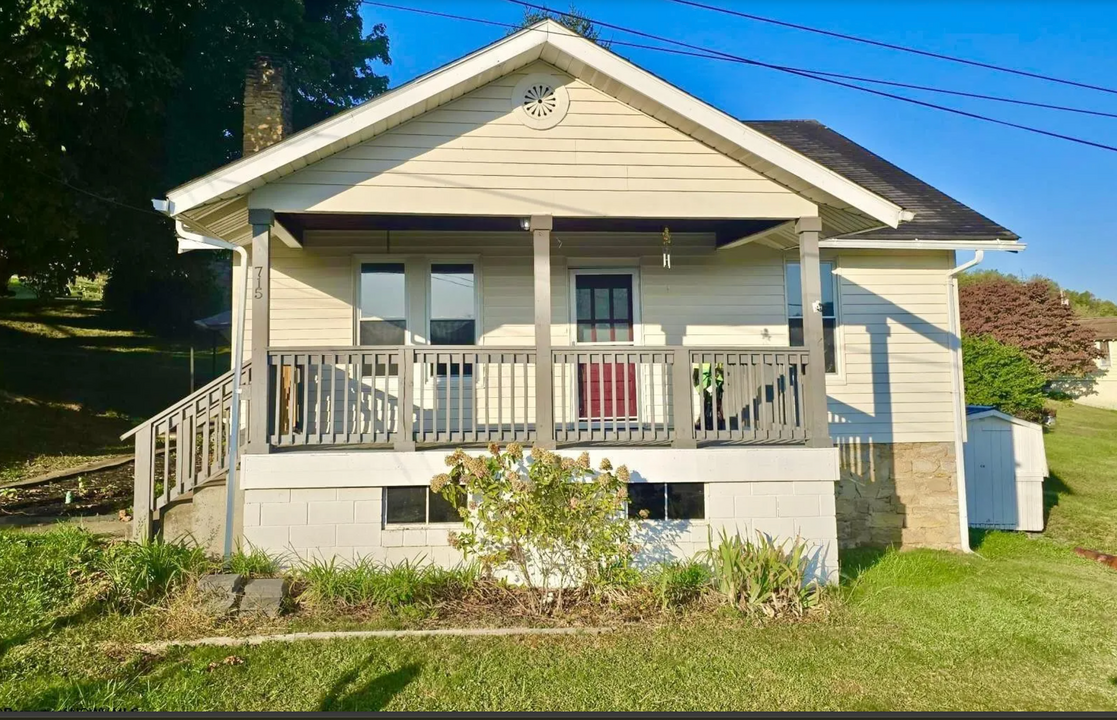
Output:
[[553, 521], [144, 573], [762, 578], [1002, 376], [679, 582], [369, 584]]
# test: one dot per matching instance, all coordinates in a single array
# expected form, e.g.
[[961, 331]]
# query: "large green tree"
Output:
[[108, 103]]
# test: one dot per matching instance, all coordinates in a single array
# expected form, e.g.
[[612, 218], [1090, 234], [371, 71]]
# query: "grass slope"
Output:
[[73, 378], [1021, 624]]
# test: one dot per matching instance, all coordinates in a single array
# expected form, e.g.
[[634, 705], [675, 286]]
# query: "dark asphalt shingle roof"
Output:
[[1104, 328], [937, 215]]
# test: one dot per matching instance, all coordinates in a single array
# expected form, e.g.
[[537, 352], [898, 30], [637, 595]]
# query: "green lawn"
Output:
[[1020, 624], [73, 378]]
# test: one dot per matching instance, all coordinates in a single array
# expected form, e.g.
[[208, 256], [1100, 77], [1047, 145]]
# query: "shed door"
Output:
[[991, 477]]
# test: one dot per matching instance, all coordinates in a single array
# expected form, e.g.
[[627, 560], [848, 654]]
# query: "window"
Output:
[[383, 302], [453, 304], [418, 504], [829, 310], [1105, 360], [670, 501], [603, 305]]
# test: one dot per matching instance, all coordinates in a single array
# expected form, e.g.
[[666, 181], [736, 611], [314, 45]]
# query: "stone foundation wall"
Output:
[[903, 494]]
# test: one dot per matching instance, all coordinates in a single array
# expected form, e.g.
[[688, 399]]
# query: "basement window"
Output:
[[412, 504], [667, 501]]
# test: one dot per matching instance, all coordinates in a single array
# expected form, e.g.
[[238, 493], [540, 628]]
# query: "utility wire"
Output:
[[821, 78], [707, 55], [890, 46], [95, 196]]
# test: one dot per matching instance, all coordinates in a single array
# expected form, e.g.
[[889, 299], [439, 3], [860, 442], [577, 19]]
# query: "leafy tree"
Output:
[[1002, 376], [108, 103], [573, 20], [1087, 304], [1029, 315]]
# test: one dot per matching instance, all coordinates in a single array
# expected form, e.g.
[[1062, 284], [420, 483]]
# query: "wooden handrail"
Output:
[[200, 392]]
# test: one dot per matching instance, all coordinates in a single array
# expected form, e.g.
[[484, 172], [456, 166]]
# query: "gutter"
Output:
[[958, 388], [188, 241]]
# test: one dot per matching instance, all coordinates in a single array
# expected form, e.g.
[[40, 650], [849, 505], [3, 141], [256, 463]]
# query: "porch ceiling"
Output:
[[725, 230]]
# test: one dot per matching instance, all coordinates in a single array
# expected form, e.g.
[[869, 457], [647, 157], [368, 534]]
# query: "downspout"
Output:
[[238, 361], [958, 388]]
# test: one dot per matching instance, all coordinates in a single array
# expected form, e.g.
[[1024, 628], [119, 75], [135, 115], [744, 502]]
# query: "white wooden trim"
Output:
[[372, 468], [500, 58], [854, 243]]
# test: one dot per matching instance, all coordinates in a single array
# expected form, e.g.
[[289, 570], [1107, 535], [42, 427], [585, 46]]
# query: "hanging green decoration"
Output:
[[666, 247]]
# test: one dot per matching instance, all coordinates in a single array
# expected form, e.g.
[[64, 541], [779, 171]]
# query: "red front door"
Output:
[[606, 390]]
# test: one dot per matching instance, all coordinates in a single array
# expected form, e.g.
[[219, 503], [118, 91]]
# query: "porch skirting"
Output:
[[300, 505]]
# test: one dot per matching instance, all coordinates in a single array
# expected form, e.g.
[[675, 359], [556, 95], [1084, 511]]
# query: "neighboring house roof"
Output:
[[973, 412], [581, 58], [1104, 328], [937, 215]]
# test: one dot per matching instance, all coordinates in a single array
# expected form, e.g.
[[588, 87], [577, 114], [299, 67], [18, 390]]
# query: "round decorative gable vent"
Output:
[[540, 101]]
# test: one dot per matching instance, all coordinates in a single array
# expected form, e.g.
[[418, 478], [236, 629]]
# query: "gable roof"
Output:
[[1104, 328], [937, 215], [581, 58]]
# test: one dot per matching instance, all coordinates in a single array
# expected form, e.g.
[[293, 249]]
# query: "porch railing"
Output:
[[405, 397], [184, 446]]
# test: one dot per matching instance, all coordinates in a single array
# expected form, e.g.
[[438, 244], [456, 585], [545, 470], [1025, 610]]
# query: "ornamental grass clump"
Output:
[[552, 521], [368, 584], [762, 578]]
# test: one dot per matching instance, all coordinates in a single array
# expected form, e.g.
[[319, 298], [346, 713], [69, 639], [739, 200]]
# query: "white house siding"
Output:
[[1104, 392], [323, 505], [475, 156], [894, 380]]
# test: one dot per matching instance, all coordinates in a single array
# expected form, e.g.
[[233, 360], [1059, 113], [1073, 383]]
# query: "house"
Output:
[[1103, 392], [543, 243]]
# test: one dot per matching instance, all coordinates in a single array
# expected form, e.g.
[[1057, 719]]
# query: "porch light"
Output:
[[525, 223]]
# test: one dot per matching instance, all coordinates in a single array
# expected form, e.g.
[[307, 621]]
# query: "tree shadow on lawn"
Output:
[[854, 562], [373, 695], [1053, 490]]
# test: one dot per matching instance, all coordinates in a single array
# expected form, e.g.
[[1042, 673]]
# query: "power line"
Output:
[[890, 46], [821, 78], [94, 195], [707, 55]]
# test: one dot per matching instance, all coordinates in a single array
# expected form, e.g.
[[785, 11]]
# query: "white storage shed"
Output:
[[1005, 468]]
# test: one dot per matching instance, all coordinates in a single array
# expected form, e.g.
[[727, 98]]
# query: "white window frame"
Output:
[[838, 376], [478, 305], [417, 291], [637, 322]]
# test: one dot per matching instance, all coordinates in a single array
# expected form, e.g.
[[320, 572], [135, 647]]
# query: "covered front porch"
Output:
[[412, 379]]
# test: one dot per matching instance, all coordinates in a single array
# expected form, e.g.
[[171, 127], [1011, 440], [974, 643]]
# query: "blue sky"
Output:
[[1060, 197]]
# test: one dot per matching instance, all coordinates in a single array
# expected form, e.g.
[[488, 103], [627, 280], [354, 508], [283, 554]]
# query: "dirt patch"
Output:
[[99, 492]]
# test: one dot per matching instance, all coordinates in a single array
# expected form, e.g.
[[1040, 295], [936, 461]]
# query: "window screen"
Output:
[[829, 310], [383, 300], [453, 302]]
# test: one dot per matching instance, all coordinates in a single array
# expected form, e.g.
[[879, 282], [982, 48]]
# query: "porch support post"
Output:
[[540, 226], [259, 287], [814, 396]]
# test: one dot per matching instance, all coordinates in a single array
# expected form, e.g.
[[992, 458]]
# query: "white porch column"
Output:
[[814, 400], [540, 226], [259, 289]]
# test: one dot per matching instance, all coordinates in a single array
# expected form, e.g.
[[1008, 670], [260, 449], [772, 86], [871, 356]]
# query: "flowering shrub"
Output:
[[553, 520]]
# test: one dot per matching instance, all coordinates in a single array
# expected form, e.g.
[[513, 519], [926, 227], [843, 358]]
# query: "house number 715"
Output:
[[258, 291]]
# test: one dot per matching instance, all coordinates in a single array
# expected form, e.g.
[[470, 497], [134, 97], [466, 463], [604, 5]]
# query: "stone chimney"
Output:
[[267, 105]]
